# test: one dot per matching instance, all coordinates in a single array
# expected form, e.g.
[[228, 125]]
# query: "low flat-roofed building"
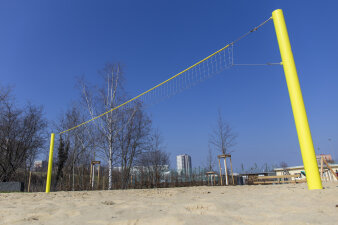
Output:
[[248, 178], [295, 170]]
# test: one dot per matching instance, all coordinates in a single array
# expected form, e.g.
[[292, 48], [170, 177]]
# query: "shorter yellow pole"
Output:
[[50, 163]]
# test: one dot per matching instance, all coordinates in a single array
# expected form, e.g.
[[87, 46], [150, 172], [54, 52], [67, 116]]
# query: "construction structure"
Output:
[[328, 174]]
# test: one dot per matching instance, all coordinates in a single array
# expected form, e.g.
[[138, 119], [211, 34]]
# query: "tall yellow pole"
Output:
[[296, 98], [50, 163]]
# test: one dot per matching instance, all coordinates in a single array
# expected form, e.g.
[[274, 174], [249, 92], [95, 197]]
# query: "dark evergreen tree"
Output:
[[62, 158]]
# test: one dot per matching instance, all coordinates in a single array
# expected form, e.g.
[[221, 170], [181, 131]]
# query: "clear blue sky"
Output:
[[44, 45]]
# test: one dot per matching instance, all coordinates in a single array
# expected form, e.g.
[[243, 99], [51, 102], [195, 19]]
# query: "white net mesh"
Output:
[[195, 75]]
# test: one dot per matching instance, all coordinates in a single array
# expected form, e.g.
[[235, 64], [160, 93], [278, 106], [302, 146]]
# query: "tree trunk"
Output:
[[73, 171]]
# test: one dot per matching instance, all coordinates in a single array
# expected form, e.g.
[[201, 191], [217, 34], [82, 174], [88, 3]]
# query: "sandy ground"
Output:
[[273, 204]]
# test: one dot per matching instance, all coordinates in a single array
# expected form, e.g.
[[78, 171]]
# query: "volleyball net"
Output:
[[213, 64]]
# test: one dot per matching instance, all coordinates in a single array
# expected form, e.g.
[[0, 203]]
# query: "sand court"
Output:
[[270, 204]]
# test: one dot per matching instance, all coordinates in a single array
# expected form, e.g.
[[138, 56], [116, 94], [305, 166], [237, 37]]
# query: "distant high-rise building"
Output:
[[184, 164]]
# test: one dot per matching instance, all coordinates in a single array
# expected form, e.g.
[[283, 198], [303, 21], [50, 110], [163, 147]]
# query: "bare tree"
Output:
[[210, 160], [80, 143], [101, 100], [4, 94], [108, 127], [22, 135], [283, 165], [222, 136], [155, 161], [132, 138]]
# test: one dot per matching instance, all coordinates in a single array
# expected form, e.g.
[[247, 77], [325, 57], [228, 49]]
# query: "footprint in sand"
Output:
[[200, 209], [108, 203], [31, 218]]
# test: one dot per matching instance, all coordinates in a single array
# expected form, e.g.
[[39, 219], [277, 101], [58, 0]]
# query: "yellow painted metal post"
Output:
[[50, 163], [296, 98]]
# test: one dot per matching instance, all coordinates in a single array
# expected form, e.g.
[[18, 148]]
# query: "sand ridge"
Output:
[[273, 204]]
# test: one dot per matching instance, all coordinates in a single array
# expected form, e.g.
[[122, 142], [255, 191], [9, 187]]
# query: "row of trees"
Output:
[[122, 138]]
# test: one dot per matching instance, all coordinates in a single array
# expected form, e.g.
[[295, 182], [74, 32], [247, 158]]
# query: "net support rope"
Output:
[[259, 64], [200, 71]]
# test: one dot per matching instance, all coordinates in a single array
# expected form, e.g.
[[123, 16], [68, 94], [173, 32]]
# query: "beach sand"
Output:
[[270, 204]]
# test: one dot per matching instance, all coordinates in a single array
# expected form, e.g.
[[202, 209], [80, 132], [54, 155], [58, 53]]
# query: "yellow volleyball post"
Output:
[[296, 98], [50, 163]]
